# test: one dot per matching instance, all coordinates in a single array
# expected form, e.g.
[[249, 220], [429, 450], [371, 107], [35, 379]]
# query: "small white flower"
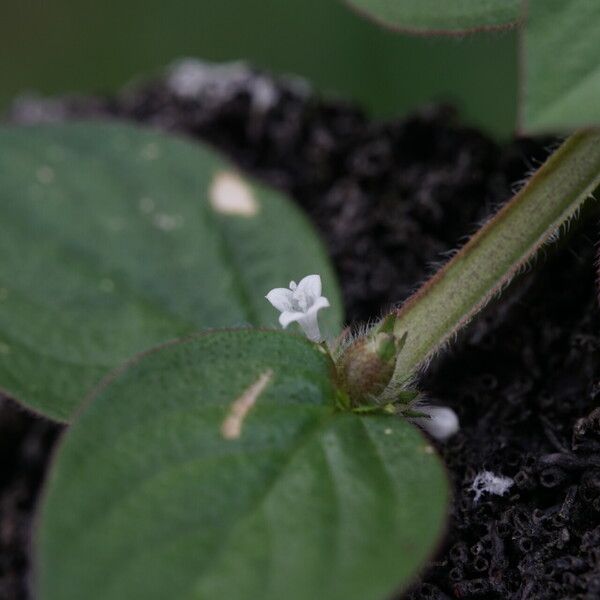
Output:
[[300, 303], [441, 422]]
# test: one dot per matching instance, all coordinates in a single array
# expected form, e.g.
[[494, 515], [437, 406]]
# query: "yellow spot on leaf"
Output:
[[231, 195], [231, 428]]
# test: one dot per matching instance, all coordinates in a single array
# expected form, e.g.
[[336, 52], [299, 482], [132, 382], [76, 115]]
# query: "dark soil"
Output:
[[389, 199]]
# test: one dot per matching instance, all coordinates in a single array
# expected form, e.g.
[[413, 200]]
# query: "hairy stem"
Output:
[[498, 251]]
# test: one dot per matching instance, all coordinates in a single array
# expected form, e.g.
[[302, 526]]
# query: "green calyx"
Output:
[[367, 365]]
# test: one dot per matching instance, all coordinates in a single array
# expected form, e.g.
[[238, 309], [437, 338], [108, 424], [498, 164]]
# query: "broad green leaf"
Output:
[[114, 239], [561, 74], [448, 16], [217, 468]]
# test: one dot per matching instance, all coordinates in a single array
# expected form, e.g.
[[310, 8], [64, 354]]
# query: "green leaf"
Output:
[[154, 493], [561, 74], [447, 17], [111, 243]]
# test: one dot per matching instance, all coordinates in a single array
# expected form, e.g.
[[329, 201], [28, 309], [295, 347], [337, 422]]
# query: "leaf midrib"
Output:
[[304, 440]]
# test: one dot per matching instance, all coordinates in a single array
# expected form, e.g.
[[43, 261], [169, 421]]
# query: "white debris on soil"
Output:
[[31, 108], [214, 83], [441, 422], [486, 481]]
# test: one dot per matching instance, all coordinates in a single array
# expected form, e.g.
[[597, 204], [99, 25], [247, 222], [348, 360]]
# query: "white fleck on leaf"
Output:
[[150, 151], [146, 205], [229, 194], [232, 425], [168, 222], [107, 285], [45, 174]]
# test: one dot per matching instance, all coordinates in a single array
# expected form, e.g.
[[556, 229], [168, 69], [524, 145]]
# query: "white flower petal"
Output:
[[317, 305], [310, 326], [442, 422], [311, 286], [280, 298], [288, 316]]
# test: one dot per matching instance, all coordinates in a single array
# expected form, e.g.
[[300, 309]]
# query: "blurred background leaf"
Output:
[[561, 75], [114, 239], [450, 17], [68, 45]]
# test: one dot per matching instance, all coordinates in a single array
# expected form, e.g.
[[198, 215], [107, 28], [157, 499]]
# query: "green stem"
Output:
[[497, 252]]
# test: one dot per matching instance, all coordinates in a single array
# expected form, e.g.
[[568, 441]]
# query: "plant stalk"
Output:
[[497, 252]]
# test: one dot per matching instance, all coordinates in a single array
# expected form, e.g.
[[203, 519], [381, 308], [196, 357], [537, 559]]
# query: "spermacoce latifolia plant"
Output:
[[378, 369], [236, 463], [364, 361], [239, 462]]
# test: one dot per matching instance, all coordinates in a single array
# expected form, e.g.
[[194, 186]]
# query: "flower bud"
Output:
[[366, 367]]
